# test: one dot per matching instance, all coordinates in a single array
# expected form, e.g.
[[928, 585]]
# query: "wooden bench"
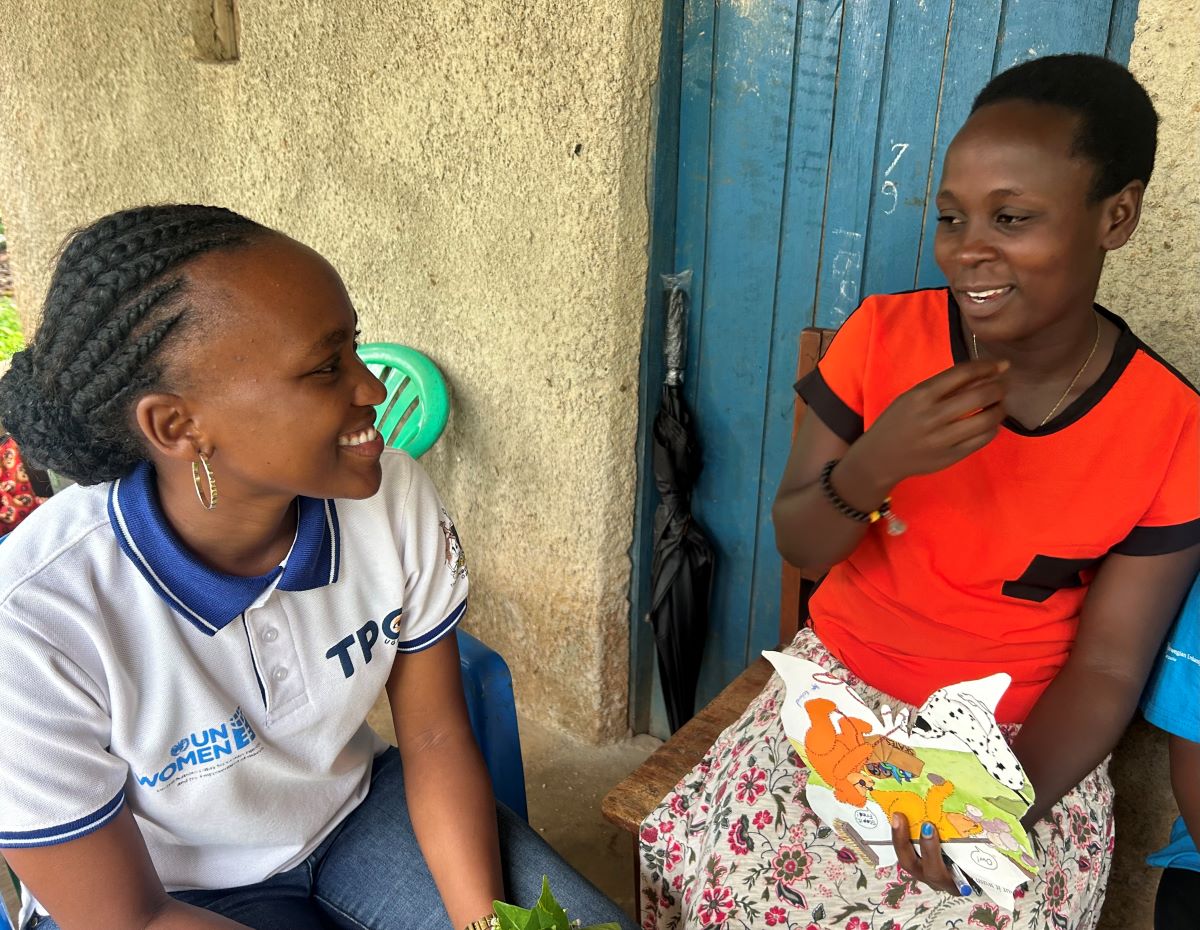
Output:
[[1145, 806]]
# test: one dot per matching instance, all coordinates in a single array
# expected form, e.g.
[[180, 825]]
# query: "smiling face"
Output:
[[277, 391], [1018, 239]]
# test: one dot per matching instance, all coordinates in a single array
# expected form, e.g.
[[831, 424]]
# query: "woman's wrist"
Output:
[[487, 922], [858, 483], [895, 525]]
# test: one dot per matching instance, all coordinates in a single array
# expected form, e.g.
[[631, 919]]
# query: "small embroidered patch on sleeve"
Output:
[[456, 560]]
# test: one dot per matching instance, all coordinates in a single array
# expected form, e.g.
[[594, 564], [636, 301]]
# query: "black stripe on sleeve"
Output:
[[833, 411], [1159, 540]]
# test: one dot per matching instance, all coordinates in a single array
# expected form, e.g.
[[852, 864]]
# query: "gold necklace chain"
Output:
[[1074, 381]]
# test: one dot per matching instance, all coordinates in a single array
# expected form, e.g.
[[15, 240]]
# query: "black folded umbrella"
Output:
[[681, 570]]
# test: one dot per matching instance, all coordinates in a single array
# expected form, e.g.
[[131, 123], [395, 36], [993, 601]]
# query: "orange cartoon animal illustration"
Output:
[[917, 809], [950, 825], [839, 752]]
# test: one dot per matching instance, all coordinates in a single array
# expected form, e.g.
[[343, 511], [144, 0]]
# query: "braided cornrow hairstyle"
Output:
[[117, 297]]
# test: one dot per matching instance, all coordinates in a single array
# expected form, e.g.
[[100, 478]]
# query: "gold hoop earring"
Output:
[[212, 483]]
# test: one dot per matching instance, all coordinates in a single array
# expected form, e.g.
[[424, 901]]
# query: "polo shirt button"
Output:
[[270, 634], [279, 673]]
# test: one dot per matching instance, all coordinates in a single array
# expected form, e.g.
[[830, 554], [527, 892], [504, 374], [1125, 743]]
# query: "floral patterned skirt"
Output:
[[734, 845]]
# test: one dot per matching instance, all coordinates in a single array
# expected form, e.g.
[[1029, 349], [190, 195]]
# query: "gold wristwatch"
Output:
[[483, 923]]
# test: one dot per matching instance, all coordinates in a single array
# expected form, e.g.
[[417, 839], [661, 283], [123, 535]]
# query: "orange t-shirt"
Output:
[[991, 574]]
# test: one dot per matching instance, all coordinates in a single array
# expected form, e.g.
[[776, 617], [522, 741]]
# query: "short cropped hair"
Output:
[[1118, 128]]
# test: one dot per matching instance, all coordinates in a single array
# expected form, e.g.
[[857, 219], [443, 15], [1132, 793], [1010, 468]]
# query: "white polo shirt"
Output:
[[228, 713]]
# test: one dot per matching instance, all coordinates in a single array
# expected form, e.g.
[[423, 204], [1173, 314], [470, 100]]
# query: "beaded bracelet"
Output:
[[895, 526]]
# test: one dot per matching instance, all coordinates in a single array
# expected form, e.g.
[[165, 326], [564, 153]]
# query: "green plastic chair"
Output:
[[414, 413]]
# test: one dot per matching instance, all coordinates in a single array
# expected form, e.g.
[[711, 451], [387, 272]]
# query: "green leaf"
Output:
[[11, 340], [551, 908], [511, 917], [547, 914]]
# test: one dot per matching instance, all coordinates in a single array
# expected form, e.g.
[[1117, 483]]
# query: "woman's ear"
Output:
[[1120, 215], [168, 426]]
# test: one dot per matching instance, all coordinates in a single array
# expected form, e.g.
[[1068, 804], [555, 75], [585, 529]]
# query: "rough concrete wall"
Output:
[[1154, 282], [476, 171]]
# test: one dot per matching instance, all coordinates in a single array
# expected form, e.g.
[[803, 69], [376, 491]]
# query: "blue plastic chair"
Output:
[[487, 684], [412, 417], [6, 921]]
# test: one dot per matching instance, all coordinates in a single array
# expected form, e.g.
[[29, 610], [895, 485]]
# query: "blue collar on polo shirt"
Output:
[[206, 598]]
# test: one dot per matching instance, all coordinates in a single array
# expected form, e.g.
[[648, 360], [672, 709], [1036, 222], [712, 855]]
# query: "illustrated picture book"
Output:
[[949, 765]]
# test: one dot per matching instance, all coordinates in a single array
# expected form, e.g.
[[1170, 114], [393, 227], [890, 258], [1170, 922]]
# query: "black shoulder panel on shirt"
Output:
[[1167, 365], [833, 411], [1159, 540]]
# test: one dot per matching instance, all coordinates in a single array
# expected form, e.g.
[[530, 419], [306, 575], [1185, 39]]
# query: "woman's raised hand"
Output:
[[935, 424], [927, 428]]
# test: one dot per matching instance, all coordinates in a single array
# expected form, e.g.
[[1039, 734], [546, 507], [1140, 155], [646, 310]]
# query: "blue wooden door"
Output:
[[798, 145]]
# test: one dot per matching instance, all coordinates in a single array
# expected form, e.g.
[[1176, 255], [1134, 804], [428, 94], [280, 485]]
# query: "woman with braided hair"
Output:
[[191, 638]]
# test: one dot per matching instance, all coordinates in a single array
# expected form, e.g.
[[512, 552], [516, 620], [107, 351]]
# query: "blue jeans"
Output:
[[369, 874]]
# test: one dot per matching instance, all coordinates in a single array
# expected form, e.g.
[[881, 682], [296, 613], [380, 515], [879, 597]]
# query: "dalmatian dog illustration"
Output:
[[958, 716]]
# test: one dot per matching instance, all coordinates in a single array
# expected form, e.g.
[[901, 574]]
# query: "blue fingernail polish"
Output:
[[927, 829]]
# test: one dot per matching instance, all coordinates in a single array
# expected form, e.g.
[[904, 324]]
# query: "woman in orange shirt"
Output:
[[1037, 467]]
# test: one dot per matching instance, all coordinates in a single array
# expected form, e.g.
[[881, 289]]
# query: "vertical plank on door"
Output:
[[970, 50], [814, 77], [1035, 28], [855, 129], [700, 19], [748, 149], [1120, 30], [907, 121]]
